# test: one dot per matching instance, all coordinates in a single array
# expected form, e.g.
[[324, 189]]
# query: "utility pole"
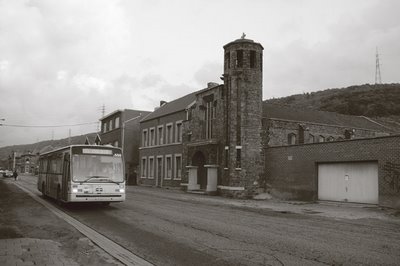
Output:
[[13, 160], [378, 78], [69, 137], [103, 112]]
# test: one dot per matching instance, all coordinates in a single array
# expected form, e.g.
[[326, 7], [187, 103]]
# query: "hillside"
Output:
[[42, 146], [381, 102]]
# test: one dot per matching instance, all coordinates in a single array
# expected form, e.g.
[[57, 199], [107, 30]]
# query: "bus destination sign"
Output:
[[97, 151]]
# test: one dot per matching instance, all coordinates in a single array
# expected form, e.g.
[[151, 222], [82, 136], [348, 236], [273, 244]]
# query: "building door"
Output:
[[348, 182], [199, 160], [159, 173]]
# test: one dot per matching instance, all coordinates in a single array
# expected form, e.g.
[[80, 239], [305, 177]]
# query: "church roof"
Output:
[[172, 107], [284, 112]]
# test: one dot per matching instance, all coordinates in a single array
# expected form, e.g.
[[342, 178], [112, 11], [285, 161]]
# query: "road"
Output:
[[175, 228]]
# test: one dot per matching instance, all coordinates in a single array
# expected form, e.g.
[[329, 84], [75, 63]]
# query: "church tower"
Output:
[[242, 77]]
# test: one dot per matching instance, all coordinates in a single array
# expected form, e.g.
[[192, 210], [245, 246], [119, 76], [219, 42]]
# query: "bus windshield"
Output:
[[97, 168]]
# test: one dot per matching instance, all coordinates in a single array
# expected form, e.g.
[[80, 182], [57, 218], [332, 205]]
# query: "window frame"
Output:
[[176, 177], [167, 176], [292, 136], [144, 137], [160, 141], [152, 137], [143, 169], [151, 167], [178, 139], [169, 135]]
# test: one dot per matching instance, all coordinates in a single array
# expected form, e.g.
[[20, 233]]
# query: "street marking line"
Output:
[[109, 246]]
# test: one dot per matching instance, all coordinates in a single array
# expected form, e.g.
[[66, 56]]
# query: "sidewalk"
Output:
[[335, 210], [32, 235]]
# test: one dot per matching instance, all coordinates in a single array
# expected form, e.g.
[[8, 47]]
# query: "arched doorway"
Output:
[[199, 160]]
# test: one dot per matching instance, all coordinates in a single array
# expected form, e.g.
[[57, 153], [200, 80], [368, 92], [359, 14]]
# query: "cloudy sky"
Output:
[[60, 61]]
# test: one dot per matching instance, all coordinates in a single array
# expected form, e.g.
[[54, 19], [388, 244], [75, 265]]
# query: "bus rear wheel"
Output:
[[43, 192], [59, 201]]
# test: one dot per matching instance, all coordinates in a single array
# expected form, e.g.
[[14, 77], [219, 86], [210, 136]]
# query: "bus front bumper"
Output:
[[115, 197]]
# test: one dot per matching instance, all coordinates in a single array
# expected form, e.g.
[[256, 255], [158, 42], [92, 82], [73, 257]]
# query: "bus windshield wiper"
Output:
[[112, 181], [91, 177]]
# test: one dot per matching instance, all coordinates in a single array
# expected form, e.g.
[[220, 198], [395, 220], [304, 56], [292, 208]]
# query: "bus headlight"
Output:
[[74, 190], [120, 190]]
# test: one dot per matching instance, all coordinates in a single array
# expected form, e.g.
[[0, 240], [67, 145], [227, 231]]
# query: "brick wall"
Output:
[[292, 171], [164, 150]]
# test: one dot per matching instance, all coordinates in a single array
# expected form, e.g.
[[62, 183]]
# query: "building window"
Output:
[[117, 122], [178, 166], [160, 135], [239, 58], [178, 131], [144, 138], [151, 167], [144, 167], [291, 139], [104, 127], [116, 143], [168, 138], [252, 59], [168, 166], [349, 133], [311, 138], [321, 138], [210, 115], [111, 125], [152, 136], [228, 60], [238, 157], [330, 138]]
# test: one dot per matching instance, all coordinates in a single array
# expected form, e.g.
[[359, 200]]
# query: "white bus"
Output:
[[82, 173]]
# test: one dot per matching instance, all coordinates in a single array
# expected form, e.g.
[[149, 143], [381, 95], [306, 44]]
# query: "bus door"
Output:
[[65, 177]]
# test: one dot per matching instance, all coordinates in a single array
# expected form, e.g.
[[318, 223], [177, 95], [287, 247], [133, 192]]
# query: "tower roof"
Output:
[[242, 41]]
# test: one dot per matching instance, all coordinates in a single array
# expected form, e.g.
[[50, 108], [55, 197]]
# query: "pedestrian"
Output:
[[15, 175]]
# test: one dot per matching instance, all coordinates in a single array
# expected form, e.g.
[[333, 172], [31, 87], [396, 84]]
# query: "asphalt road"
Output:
[[175, 228]]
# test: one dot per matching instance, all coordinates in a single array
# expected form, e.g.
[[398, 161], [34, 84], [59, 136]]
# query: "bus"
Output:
[[82, 173]]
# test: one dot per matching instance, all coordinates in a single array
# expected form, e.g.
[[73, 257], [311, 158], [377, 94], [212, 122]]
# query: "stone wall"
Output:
[[278, 131]]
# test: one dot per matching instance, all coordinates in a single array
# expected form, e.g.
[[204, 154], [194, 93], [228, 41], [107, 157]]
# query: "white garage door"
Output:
[[352, 182]]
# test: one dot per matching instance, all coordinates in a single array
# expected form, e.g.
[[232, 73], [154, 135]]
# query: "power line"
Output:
[[47, 126]]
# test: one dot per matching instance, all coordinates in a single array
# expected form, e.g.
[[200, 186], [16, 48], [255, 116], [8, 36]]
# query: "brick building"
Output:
[[121, 129], [358, 170], [221, 139]]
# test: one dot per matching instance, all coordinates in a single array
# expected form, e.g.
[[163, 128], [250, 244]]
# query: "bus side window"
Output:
[[66, 170]]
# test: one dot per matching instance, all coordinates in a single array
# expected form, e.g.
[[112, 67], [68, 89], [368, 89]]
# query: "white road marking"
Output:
[[109, 246]]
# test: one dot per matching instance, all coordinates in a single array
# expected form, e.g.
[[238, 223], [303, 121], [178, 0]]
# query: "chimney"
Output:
[[162, 103], [211, 85]]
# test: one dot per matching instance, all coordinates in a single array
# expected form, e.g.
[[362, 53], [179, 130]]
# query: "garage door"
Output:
[[352, 182]]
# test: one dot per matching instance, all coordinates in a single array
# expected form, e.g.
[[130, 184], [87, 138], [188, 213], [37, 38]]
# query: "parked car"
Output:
[[7, 173]]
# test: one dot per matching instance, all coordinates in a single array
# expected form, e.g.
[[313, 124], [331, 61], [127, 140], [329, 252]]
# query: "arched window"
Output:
[[311, 138], [330, 138], [321, 138], [291, 139]]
